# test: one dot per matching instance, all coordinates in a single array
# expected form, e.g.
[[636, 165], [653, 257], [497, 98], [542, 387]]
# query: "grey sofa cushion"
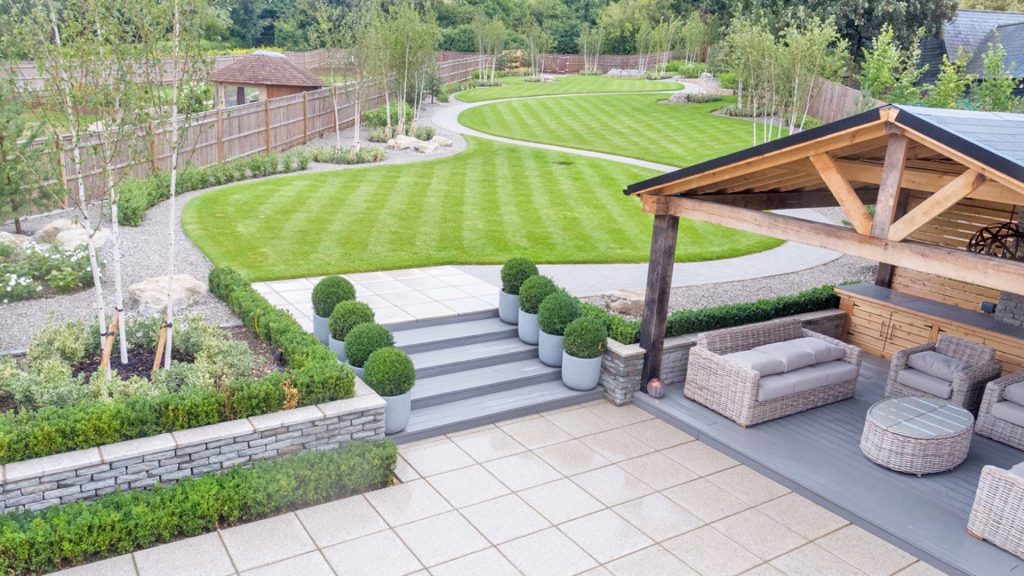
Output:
[[934, 364], [1015, 393], [823, 351], [1018, 470], [1009, 411], [925, 382], [759, 362], [837, 371], [793, 355], [780, 385]]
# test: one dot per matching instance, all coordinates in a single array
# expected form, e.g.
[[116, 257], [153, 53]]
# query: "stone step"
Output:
[[479, 381], [429, 338], [442, 320], [489, 408], [471, 356]]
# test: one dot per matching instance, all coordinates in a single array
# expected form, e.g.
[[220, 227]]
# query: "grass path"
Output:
[[518, 87], [482, 206], [634, 125]]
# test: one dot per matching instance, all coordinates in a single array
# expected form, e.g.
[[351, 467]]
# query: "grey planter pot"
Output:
[[320, 329], [396, 413], [508, 307], [338, 347], [529, 329], [581, 373], [357, 370], [549, 348]]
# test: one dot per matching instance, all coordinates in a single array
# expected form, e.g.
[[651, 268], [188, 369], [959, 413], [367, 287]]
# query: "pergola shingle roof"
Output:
[[266, 69]]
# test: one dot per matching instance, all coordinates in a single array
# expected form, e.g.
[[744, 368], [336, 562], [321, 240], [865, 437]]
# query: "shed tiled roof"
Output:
[[974, 30], [1011, 36], [266, 68]]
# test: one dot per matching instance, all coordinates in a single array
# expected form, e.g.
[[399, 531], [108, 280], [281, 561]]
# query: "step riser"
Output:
[[459, 341], [411, 435], [466, 393], [474, 363], [410, 324]]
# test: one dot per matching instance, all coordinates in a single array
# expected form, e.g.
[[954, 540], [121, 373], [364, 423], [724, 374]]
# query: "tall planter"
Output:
[[550, 349], [338, 347], [514, 272], [397, 412], [585, 341], [529, 329], [508, 307], [321, 329], [390, 373], [581, 373]]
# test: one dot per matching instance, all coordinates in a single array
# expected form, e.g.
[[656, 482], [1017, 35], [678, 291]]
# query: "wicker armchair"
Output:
[[998, 512], [732, 389], [968, 384], [988, 424]]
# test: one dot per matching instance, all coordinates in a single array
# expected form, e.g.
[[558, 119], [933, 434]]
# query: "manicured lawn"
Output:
[[517, 87], [635, 125], [481, 206]]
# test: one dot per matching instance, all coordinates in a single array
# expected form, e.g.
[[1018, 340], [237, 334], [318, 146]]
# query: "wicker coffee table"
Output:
[[917, 435]]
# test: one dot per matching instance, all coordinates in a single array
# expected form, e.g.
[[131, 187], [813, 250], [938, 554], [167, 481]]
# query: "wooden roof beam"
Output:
[[917, 178], [944, 199], [843, 191]]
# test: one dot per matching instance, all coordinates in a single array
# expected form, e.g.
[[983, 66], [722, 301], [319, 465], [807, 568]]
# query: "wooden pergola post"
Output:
[[659, 289], [888, 204]]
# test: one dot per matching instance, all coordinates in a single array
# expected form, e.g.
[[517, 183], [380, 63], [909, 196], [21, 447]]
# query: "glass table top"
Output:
[[918, 417]]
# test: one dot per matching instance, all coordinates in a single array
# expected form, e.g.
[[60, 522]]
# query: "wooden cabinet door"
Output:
[[908, 330], [867, 325]]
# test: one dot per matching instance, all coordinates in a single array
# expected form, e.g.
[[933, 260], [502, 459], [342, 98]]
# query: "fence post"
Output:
[[305, 117], [220, 134], [266, 116], [154, 163]]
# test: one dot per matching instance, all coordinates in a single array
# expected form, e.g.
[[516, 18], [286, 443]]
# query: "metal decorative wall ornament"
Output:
[[1000, 240]]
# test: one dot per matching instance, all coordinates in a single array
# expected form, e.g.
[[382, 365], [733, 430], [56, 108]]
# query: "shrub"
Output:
[[348, 315], [62, 536], [364, 340], [423, 133], [686, 69], [556, 312], [729, 80], [255, 397], [322, 382], [691, 321], [390, 372], [24, 273], [514, 272], [533, 291], [703, 98], [64, 342], [585, 337], [377, 135], [378, 117], [329, 292], [329, 155], [224, 281]]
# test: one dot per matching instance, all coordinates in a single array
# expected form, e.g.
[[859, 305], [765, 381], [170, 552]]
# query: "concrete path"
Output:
[[592, 489]]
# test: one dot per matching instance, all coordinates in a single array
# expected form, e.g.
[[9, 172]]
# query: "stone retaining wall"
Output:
[[166, 458], [620, 370]]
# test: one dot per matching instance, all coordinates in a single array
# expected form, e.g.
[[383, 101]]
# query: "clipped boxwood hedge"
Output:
[[118, 523], [313, 371]]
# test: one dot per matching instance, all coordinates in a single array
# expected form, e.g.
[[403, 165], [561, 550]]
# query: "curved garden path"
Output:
[[590, 279]]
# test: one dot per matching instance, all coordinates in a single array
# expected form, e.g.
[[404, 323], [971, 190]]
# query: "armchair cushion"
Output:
[[1015, 393], [793, 355], [925, 382], [1010, 412], [1018, 470], [937, 365], [757, 361]]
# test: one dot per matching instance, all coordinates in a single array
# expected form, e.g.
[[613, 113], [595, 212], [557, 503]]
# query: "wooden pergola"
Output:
[[913, 164]]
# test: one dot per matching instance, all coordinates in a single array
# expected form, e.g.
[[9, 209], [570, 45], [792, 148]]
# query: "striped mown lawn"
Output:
[[635, 125], [518, 87], [484, 205]]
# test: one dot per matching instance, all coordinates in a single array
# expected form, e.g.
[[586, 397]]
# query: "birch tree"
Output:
[[590, 42]]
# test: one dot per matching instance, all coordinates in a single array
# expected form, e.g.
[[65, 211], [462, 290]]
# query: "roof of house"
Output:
[[974, 30], [994, 139], [266, 68], [1011, 36]]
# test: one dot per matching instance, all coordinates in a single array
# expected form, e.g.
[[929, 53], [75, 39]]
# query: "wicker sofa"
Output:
[[952, 368], [760, 372], [998, 512], [1001, 416]]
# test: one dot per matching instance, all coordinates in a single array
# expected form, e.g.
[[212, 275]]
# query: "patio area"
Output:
[[592, 489]]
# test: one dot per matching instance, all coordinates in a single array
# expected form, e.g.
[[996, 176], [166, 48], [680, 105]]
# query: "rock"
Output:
[[18, 240], [625, 302], [47, 233], [547, 78], [149, 296], [441, 141], [78, 236], [422, 147], [403, 142]]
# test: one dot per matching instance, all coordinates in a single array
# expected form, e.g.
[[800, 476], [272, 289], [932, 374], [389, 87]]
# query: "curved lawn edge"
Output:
[[322, 232], [652, 86]]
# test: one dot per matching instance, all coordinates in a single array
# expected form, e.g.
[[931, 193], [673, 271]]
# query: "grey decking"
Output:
[[817, 453]]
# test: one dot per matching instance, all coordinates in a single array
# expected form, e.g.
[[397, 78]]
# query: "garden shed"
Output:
[[268, 73]]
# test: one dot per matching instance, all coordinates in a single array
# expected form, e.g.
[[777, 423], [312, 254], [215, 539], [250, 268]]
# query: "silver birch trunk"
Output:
[[172, 202], [337, 122]]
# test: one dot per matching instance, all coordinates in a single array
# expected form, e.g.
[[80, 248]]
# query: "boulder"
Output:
[[78, 236], [149, 296], [403, 142], [47, 233], [625, 302], [426, 147], [441, 141], [18, 240]]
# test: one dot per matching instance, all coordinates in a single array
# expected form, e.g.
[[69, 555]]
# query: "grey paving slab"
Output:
[[200, 556]]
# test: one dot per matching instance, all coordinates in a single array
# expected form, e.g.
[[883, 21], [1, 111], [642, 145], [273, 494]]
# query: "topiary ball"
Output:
[[556, 312], [329, 292], [390, 372], [514, 272], [365, 339], [346, 316], [533, 291], [585, 337]]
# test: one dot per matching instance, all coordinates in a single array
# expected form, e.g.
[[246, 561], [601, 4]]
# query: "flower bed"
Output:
[[28, 271]]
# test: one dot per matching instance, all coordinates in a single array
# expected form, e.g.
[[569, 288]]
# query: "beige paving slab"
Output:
[[920, 568], [309, 564], [652, 561], [200, 556], [657, 434], [748, 485], [561, 501], [705, 500], [487, 562], [522, 471], [572, 457], [802, 516], [266, 541], [620, 415], [535, 432], [489, 444], [616, 445], [599, 571], [764, 570], [866, 552], [435, 457], [605, 535], [404, 471], [658, 517], [380, 554], [119, 566], [612, 485], [813, 560], [580, 422], [759, 534], [439, 539], [505, 518], [547, 553], [711, 553], [658, 471], [699, 457], [467, 486], [340, 520], [406, 503]]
